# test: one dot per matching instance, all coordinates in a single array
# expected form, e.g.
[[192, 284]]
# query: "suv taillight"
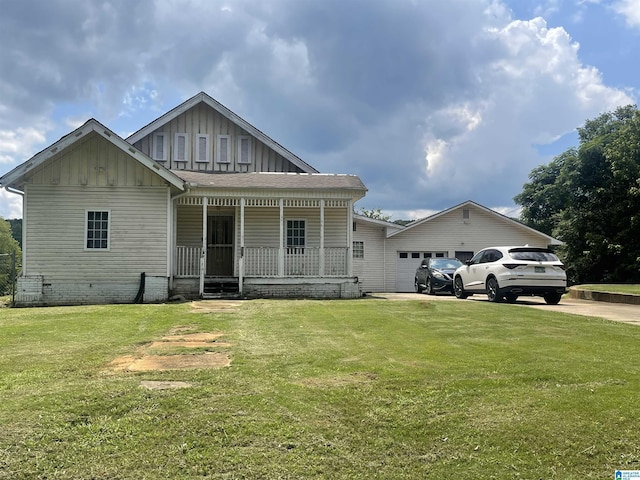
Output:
[[511, 266]]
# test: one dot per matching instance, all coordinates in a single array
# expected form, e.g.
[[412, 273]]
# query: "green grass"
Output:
[[612, 288], [339, 390]]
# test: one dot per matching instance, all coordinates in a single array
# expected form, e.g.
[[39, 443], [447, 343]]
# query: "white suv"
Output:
[[507, 272]]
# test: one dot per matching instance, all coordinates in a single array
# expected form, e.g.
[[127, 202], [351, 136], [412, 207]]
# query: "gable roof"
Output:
[[224, 111], [15, 178], [515, 223]]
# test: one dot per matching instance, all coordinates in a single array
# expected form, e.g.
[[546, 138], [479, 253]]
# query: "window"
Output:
[[296, 236], [415, 255], [180, 148], [97, 230], [224, 142], [358, 249], [465, 214], [159, 147], [202, 148], [244, 149]]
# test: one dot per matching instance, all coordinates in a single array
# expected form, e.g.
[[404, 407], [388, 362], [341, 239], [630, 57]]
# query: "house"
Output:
[[197, 203], [386, 255]]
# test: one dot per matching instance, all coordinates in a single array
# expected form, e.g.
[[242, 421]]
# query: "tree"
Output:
[[589, 197], [16, 229], [374, 213], [8, 246]]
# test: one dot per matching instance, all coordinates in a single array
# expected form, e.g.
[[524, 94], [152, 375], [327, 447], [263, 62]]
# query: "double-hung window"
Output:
[[296, 236], [97, 226]]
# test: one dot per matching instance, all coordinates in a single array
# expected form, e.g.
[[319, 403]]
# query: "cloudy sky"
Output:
[[430, 102]]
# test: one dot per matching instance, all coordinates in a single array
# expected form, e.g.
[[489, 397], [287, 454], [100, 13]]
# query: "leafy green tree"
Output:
[[16, 229], [589, 197], [374, 213], [8, 246]]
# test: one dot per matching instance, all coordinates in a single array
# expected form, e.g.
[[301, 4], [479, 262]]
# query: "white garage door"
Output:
[[406, 265]]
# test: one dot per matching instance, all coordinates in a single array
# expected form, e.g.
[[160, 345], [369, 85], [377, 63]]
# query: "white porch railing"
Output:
[[188, 261], [264, 261]]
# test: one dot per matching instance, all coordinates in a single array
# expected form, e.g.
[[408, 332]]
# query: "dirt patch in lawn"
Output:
[[215, 306], [207, 348]]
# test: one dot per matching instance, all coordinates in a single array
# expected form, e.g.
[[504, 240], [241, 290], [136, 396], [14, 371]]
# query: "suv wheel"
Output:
[[552, 298], [492, 290], [458, 288]]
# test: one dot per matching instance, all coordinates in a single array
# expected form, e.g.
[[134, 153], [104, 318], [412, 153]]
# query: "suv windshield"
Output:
[[533, 254], [446, 263]]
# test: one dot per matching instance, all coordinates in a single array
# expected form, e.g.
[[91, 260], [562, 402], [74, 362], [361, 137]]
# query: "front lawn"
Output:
[[339, 390]]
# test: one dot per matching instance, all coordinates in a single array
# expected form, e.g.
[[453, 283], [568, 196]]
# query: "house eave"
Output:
[[16, 177]]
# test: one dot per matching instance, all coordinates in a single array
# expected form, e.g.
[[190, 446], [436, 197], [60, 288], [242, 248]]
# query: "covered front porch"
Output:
[[267, 246]]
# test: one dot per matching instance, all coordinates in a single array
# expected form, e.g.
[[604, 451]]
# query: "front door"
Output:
[[220, 245]]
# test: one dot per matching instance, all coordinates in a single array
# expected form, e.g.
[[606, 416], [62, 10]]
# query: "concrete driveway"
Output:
[[617, 312]]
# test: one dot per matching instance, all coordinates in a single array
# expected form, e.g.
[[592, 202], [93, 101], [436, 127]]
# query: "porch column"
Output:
[[203, 255], [321, 253], [241, 260], [350, 239], [281, 247]]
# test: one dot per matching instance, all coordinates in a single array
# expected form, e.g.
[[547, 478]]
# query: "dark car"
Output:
[[436, 275]]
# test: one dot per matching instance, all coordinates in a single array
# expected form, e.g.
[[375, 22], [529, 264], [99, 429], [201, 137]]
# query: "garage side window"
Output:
[[97, 229]]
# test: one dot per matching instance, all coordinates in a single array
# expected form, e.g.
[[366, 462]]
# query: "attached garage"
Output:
[[458, 232], [407, 263]]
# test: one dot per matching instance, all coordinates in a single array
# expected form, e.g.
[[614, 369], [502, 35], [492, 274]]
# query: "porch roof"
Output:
[[274, 180]]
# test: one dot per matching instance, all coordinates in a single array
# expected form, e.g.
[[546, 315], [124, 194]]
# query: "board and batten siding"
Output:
[[94, 161], [201, 119], [370, 269], [450, 232]]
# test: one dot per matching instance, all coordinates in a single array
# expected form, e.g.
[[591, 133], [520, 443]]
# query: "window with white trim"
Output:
[[159, 147], [244, 149], [224, 149], [202, 148], [296, 236], [180, 148], [358, 249], [97, 223]]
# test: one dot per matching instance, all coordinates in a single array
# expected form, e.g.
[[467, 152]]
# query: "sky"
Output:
[[430, 102]]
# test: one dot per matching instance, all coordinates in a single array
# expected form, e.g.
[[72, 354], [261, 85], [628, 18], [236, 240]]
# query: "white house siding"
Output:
[[94, 162], [450, 233], [202, 119], [370, 269], [95, 176]]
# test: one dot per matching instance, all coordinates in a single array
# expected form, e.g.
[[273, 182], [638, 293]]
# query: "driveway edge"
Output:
[[604, 296]]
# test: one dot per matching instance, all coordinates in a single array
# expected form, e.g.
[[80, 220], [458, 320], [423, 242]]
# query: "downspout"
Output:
[[24, 225]]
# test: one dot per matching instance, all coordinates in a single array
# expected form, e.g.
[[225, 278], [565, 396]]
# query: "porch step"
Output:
[[217, 287]]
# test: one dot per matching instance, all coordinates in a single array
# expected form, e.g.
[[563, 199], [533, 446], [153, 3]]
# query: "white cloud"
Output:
[[432, 103], [10, 205], [630, 9], [18, 145]]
